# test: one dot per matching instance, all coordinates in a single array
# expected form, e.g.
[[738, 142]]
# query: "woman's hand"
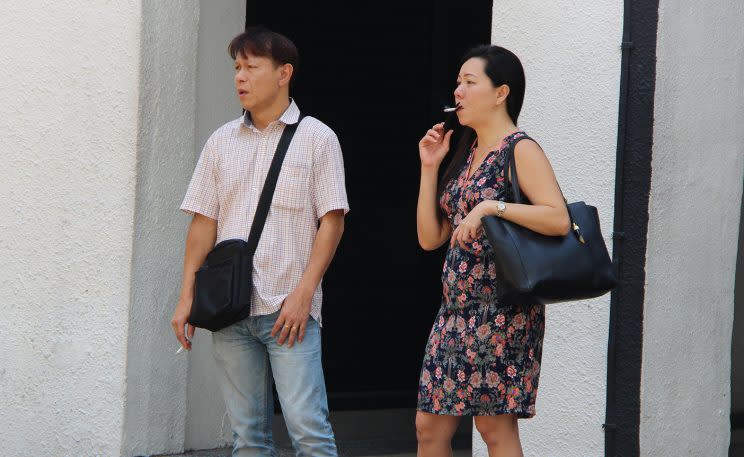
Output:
[[434, 146], [469, 228]]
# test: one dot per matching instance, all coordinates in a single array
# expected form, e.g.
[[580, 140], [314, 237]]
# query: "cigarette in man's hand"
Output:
[[180, 348]]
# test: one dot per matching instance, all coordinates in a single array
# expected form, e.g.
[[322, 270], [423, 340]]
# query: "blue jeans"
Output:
[[247, 356]]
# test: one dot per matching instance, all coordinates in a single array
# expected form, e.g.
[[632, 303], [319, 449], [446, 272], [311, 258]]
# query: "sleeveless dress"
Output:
[[483, 356]]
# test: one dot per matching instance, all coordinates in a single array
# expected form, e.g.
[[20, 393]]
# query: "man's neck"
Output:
[[261, 118]]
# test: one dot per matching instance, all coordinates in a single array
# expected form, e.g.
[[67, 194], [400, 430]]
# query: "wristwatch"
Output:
[[500, 208]]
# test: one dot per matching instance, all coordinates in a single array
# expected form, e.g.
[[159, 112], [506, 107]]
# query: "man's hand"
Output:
[[295, 310], [292, 320], [179, 321]]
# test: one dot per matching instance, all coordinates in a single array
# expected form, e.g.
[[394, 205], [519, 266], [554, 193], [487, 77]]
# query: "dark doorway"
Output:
[[379, 74], [737, 357]]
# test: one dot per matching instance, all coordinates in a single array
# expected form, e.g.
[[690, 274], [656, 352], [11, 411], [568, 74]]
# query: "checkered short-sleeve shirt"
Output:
[[227, 183]]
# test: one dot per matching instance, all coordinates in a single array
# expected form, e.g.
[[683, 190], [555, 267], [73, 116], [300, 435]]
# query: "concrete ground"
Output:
[[368, 433], [289, 453]]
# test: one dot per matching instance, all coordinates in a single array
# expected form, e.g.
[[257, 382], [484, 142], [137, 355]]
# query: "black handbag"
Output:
[[224, 283], [534, 268]]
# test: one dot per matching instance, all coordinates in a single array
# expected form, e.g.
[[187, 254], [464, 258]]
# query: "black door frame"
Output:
[[632, 188]]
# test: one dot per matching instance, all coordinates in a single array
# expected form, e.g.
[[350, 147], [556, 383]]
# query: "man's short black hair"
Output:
[[262, 42]]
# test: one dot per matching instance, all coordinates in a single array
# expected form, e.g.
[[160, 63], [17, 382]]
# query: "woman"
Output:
[[483, 356]]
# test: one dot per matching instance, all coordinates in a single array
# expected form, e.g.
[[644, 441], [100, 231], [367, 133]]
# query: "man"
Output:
[[303, 229]]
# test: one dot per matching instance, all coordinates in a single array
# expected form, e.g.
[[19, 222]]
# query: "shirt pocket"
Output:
[[292, 187]]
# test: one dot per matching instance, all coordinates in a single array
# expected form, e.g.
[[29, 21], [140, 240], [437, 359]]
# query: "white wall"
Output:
[[571, 54], [68, 128], [156, 377], [100, 134], [206, 426], [187, 92], [696, 187]]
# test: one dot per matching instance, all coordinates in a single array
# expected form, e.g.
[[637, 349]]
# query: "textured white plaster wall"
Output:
[[696, 187], [206, 426], [571, 54], [156, 377], [69, 86]]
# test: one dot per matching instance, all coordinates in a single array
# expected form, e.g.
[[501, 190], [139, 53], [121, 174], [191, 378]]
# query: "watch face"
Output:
[[501, 206]]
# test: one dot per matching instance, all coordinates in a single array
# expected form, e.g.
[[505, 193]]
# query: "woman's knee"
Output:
[[431, 427], [424, 426], [497, 430]]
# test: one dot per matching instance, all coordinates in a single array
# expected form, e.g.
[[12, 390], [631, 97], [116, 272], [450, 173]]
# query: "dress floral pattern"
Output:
[[482, 357]]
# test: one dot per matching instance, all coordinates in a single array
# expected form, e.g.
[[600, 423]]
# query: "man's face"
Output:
[[258, 81]]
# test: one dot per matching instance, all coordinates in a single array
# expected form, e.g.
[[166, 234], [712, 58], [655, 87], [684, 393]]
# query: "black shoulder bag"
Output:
[[535, 268], [223, 285]]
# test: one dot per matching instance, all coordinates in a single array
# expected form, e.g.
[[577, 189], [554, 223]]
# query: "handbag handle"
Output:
[[511, 166], [267, 193]]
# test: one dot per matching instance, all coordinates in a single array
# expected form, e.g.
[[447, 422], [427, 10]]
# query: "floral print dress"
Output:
[[483, 356]]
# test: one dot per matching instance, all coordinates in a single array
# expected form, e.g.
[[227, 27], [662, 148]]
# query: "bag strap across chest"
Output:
[[267, 193]]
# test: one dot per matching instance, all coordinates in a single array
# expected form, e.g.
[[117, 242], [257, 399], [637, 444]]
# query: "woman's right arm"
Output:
[[433, 231]]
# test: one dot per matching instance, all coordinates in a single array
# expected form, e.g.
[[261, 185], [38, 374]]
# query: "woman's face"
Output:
[[475, 93]]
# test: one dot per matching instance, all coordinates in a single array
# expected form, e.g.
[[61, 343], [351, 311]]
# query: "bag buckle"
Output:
[[578, 232]]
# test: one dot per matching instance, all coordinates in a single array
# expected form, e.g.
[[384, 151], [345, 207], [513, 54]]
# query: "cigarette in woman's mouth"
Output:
[[450, 121]]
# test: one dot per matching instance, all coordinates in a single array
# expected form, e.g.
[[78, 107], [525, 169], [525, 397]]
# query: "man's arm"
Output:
[[295, 311], [199, 241]]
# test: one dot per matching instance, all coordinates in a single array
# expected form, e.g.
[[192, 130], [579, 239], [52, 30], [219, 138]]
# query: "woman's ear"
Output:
[[501, 93]]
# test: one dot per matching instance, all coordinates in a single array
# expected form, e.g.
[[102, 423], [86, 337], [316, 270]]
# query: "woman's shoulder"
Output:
[[524, 142]]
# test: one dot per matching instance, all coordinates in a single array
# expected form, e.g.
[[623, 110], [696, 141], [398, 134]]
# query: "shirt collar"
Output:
[[290, 116]]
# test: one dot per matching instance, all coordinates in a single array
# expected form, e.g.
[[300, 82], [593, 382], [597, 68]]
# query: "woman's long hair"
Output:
[[502, 67]]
